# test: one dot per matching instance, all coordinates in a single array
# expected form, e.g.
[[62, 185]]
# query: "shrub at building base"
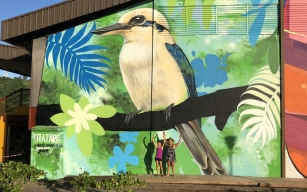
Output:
[[119, 182], [13, 175]]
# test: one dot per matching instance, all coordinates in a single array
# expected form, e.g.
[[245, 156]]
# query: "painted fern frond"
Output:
[[263, 101], [69, 52]]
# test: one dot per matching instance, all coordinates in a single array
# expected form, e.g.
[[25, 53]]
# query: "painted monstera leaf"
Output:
[[80, 118], [70, 52], [263, 107]]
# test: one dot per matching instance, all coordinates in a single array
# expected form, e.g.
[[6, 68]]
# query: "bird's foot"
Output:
[[130, 116], [167, 111]]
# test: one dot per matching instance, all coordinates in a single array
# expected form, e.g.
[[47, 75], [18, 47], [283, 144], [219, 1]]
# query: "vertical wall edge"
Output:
[[282, 87]]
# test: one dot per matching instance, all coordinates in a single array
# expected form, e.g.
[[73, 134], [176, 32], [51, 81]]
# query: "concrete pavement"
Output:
[[193, 183], [228, 180]]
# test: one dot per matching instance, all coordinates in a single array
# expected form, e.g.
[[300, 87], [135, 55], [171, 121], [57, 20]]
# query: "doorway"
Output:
[[18, 143]]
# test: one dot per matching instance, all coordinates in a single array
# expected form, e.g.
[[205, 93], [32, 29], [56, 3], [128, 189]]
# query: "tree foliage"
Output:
[[10, 85]]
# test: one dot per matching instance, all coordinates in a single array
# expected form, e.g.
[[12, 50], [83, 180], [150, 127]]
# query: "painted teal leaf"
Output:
[[256, 27], [86, 85], [76, 60], [66, 63], [90, 48], [67, 35], [262, 49], [273, 57], [62, 56], [95, 64], [84, 39], [55, 54], [93, 70], [95, 78], [255, 2], [48, 51], [73, 67], [89, 82], [92, 56], [71, 41], [57, 37]]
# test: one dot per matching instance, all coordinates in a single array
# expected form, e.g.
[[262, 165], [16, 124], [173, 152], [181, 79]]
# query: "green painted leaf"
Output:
[[262, 49], [184, 157], [105, 111], [273, 57], [272, 38], [96, 128], [60, 119], [207, 13], [66, 103], [70, 131], [171, 5], [85, 142], [187, 13], [83, 102]]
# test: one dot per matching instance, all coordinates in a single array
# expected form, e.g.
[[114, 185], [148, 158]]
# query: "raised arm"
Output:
[[144, 142], [162, 142], [178, 141], [153, 141], [164, 138]]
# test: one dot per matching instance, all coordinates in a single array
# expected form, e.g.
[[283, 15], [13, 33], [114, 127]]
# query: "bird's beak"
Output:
[[112, 29]]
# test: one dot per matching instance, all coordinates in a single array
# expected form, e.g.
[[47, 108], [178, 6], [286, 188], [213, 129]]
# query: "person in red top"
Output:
[[159, 147]]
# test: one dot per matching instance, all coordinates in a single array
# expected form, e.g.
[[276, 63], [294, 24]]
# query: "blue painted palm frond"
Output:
[[76, 60], [256, 27]]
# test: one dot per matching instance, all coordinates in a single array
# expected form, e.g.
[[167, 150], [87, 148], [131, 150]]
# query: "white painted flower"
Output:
[[82, 114], [80, 117]]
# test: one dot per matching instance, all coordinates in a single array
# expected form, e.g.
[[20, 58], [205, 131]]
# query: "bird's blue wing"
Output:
[[184, 65]]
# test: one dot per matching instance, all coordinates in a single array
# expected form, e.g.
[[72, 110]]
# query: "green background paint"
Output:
[[246, 158]]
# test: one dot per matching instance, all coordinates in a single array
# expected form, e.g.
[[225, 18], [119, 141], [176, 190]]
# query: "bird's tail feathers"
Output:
[[201, 149]]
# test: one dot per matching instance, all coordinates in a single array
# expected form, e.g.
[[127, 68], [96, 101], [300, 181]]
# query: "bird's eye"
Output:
[[138, 20]]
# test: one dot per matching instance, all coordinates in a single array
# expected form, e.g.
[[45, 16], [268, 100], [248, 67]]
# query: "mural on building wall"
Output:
[[295, 40], [189, 68]]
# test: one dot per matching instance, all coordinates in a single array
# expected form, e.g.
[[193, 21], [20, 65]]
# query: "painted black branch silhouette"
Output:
[[220, 104]]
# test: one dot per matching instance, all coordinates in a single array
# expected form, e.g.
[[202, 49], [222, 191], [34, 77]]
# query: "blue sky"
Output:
[[13, 8]]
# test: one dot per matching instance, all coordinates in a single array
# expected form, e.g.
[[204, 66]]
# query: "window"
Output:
[[224, 19]]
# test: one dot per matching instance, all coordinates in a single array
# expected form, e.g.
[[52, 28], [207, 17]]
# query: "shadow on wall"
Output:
[[150, 148], [230, 142]]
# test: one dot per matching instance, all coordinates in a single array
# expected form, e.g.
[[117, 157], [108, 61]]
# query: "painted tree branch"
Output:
[[220, 104]]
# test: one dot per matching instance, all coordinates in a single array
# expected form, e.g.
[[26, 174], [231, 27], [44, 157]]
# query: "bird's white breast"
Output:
[[157, 85]]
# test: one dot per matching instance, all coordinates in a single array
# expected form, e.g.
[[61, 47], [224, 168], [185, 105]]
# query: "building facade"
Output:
[[295, 47], [209, 71]]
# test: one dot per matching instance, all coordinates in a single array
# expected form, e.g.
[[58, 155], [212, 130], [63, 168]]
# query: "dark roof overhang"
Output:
[[15, 60], [21, 30]]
